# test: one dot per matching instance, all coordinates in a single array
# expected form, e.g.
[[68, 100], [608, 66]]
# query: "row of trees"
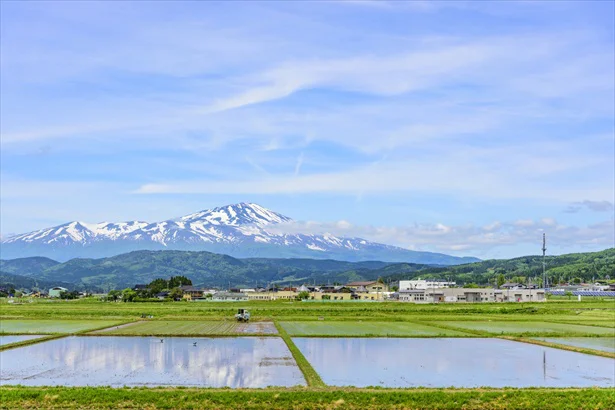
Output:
[[152, 289]]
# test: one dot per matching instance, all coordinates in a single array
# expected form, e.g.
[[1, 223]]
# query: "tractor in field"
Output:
[[242, 315]]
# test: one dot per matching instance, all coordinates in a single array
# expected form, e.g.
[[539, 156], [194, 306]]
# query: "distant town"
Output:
[[410, 291]]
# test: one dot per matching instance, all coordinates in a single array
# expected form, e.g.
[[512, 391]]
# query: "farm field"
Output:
[[290, 311], [43, 327], [601, 323], [396, 329], [605, 344], [189, 328], [296, 318], [526, 327], [304, 398]]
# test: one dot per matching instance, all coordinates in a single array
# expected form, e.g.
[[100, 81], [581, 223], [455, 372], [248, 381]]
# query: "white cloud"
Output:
[[448, 238]]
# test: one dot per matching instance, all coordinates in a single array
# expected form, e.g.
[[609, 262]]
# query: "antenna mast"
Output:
[[544, 265]]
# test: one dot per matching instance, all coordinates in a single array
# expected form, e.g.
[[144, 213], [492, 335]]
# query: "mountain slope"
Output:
[[12, 281], [242, 230], [27, 266], [204, 269], [586, 266]]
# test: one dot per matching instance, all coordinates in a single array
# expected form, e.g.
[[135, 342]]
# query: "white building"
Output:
[[55, 292], [470, 295], [424, 284]]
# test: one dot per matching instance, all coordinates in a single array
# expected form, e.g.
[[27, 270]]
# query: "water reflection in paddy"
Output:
[[5, 340], [452, 362], [139, 361]]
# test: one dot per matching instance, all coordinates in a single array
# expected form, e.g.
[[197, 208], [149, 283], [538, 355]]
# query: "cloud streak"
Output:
[[464, 238]]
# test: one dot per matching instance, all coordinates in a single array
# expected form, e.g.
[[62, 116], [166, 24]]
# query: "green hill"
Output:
[[562, 268], [216, 270]]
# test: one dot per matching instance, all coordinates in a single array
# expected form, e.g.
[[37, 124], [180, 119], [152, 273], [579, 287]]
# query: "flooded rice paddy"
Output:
[[604, 344], [7, 340], [452, 362], [148, 361]]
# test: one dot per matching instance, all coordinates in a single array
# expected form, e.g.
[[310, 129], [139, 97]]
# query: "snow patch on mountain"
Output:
[[240, 230]]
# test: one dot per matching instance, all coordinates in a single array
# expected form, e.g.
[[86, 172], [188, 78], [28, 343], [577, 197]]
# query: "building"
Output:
[[520, 295], [470, 295], [162, 295], [189, 292], [424, 284], [369, 286], [55, 292], [514, 286], [280, 294], [229, 296]]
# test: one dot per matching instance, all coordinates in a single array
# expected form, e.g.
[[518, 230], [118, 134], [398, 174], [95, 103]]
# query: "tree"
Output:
[[69, 295], [568, 293], [176, 281], [303, 295], [114, 295], [501, 280], [470, 285], [128, 295], [157, 285], [18, 294], [576, 281], [176, 294]]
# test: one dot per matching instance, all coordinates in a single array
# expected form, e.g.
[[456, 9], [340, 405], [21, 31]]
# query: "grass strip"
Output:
[[561, 346], [107, 326], [302, 398], [31, 342], [211, 335], [311, 377]]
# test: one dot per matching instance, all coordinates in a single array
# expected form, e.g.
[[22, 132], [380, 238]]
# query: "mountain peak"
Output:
[[243, 213]]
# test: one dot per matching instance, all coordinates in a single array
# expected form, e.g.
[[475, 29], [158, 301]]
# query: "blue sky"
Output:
[[460, 127]]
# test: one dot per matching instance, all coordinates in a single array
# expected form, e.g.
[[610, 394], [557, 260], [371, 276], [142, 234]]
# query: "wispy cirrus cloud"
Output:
[[467, 104]]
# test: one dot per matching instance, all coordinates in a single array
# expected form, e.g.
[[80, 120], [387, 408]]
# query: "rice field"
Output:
[[604, 344], [395, 329], [189, 328], [538, 328], [45, 327]]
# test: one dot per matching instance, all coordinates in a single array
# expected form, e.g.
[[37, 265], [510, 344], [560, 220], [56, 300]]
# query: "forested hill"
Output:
[[216, 270], [585, 266], [203, 268]]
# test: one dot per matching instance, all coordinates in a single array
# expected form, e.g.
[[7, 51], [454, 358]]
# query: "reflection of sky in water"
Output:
[[5, 340], [136, 361], [452, 362], [605, 344]]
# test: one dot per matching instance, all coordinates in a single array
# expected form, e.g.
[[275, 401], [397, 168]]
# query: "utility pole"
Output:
[[544, 264]]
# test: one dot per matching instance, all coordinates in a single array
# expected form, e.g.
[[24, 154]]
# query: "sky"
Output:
[[468, 128]]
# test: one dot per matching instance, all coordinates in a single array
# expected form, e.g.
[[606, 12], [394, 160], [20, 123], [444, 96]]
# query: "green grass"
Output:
[[290, 311], [606, 344], [312, 378], [178, 328], [303, 398], [395, 329], [529, 328], [30, 342], [42, 327]]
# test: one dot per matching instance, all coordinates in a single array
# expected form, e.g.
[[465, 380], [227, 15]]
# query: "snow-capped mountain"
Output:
[[240, 230]]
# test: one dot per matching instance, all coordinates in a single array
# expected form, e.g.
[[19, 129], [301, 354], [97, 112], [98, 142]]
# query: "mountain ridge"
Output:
[[240, 230]]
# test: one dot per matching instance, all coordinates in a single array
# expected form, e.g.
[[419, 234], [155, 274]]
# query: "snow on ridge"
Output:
[[243, 223]]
